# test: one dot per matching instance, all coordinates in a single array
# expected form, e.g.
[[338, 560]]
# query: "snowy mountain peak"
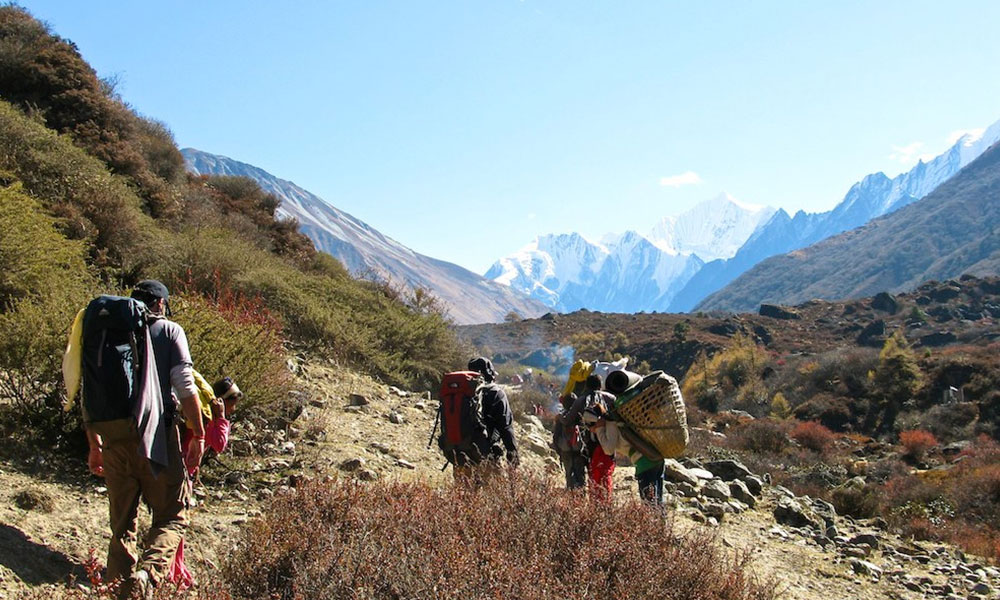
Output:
[[714, 228]]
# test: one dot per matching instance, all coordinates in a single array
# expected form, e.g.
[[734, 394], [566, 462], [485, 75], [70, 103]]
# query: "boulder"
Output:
[[791, 512], [945, 293], [714, 510], [531, 422], [822, 508], [754, 484], [940, 338], [396, 418], [728, 469], [241, 447], [863, 567], [873, 334], [538, 445], [777, 312], [762, 334], [367, 475], [739, 491], [687, 490], [716, 489], [674, 471], [703, 474], [865, 539], [885, 302], [352, 464], [358, 400]]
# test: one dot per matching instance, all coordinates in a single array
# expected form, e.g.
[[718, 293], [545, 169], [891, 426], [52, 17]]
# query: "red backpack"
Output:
[[463, 438]]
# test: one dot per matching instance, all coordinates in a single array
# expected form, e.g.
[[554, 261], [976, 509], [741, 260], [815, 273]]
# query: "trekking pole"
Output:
[[437, 419]]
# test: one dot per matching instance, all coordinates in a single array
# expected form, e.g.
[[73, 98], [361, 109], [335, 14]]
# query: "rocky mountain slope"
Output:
[[468, 297], [951, 231], [873, 196]]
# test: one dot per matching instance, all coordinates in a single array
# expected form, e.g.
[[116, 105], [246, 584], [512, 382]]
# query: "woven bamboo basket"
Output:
[[654, 409]]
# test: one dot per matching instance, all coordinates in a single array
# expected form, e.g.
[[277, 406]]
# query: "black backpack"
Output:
[[114, 354]]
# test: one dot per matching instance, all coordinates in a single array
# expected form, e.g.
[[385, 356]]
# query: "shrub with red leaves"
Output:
[[511, 538], [814, 436], [917, 442]]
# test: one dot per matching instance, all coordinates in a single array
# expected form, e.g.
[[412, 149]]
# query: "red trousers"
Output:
[[601, 468]]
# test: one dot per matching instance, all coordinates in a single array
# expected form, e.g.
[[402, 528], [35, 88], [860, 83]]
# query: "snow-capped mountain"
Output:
[[631, 273], [712, 229], [468, 297], [872, 197], [624, 273]]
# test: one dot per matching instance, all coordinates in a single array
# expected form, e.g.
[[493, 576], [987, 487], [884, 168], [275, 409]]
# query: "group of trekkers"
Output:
[[149, 417], [134, 369], [477, 430], [587, 436]]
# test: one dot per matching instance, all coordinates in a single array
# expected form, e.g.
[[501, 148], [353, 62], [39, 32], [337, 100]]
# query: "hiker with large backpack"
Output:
[[601, 464], [127, 356], [567, 440], [497, 415], [475, 419]]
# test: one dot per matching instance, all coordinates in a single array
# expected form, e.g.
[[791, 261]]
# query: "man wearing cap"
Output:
[[130, 476], [497, 416]]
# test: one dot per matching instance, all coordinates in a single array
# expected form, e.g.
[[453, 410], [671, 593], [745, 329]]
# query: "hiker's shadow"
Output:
[[34, 563]]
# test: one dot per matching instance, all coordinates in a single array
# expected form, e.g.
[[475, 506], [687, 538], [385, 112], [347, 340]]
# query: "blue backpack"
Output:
[[114, 354]]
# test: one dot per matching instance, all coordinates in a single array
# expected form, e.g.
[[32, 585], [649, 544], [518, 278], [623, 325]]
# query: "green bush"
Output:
[[91, 204], [233, 336], [44, 281]]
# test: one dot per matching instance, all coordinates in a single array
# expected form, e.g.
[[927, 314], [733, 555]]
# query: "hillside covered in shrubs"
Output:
[[888, 405], [95, 198]]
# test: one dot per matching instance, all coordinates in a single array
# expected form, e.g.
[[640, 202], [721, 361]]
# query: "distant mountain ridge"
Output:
[[872, 197], [953, 230], [469, 297], [701, 251], [629, 272]]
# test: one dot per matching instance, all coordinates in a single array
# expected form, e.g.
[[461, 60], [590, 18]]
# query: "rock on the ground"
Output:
[[538, 445], [701, 474], [396, 418], [863, 567], [728, 469], [674, 471], [791, 512], [739, 491], [359, 400], [754, 484], [367, 475], [352, 464], [716, 489]]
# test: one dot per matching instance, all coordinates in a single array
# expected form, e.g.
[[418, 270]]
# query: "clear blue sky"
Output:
[[465, 128]]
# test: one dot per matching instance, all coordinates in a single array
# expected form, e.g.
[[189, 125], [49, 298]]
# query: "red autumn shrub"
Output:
[[511, 538], [917, 442], [814, 436]]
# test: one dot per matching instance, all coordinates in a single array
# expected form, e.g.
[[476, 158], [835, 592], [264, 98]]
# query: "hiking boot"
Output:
[[139, 585]]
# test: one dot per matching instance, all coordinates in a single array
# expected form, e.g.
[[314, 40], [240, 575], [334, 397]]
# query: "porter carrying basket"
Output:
[[654, 410]]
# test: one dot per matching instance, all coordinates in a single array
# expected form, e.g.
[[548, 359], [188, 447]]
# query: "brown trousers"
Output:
[[129, 477]]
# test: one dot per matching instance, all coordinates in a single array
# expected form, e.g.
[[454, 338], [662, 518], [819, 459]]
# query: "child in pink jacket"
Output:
[[221, 399]]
